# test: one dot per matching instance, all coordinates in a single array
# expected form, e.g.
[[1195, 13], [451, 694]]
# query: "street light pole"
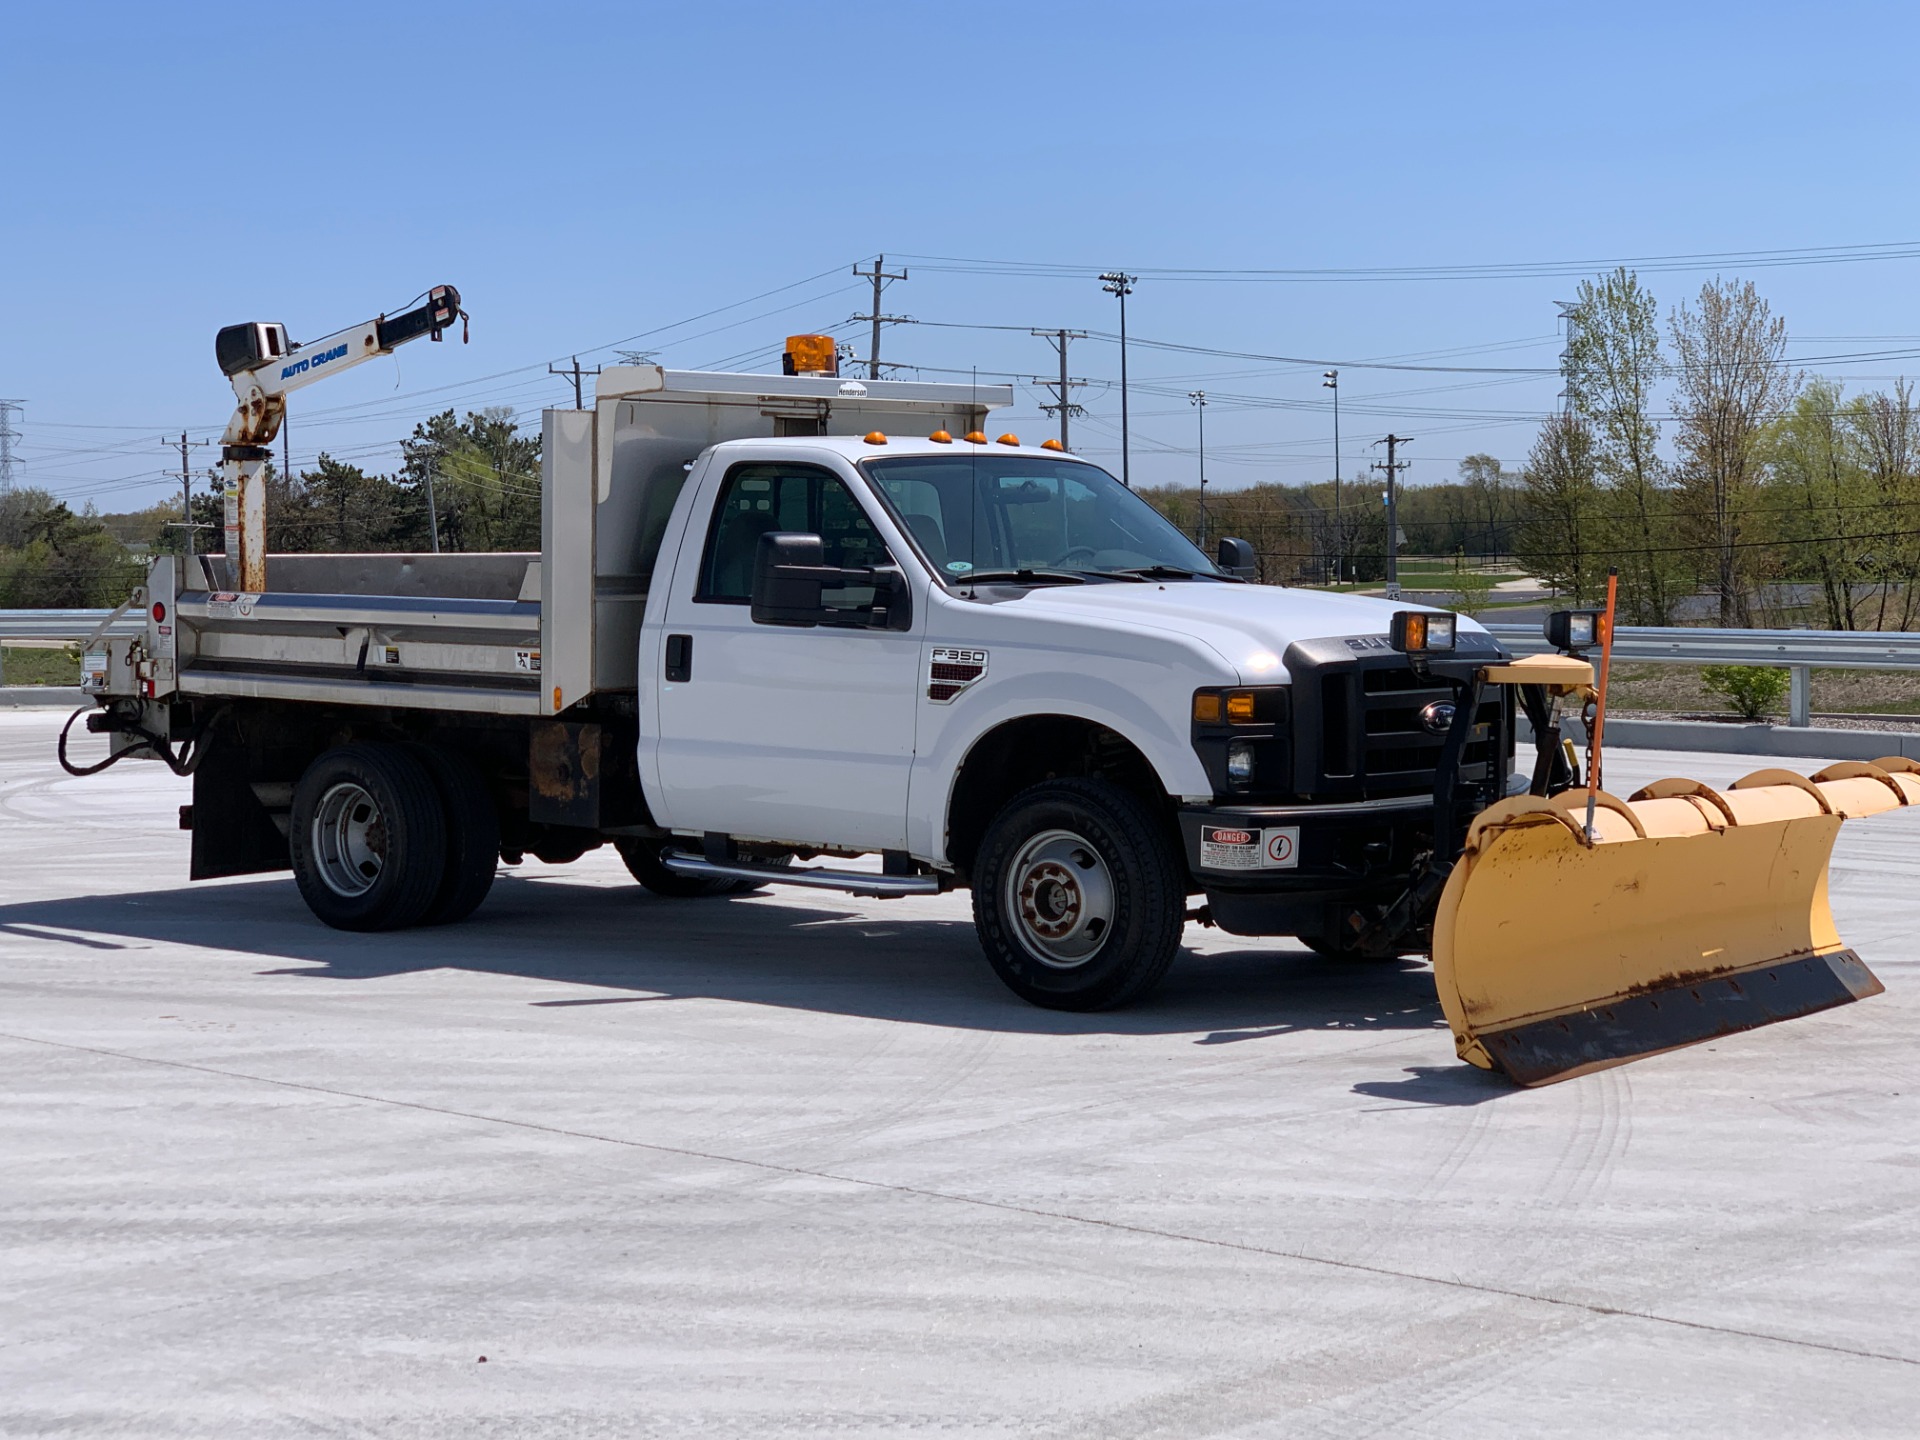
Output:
[[1118, 282], [1331, 381], [1198, 398]]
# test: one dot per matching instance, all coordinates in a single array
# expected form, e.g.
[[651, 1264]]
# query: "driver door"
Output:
[[779, 732]]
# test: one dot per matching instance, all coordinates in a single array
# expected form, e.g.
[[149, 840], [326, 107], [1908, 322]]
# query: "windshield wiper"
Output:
[[1021, 577], [1164, 572]]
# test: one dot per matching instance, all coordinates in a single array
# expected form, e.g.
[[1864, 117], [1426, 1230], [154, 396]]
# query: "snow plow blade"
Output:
[[1688, 914]]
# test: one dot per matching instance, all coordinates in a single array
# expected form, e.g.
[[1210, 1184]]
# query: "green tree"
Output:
[[1814, 497], [479, 477], [1562, 520], [1612, 367], [1731, 382]]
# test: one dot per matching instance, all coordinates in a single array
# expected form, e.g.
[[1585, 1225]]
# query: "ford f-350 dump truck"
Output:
[[777, 621]]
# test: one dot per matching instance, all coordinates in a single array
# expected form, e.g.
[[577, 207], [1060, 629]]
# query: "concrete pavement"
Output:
[[795, 1164]]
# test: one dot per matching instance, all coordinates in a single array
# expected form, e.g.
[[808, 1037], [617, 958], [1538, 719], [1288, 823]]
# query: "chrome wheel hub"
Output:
[[1060, 894], [349, 840]]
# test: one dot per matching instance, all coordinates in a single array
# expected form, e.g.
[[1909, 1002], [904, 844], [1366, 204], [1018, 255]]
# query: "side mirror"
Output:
[[789, 571], [1237, 558], [790, 574]]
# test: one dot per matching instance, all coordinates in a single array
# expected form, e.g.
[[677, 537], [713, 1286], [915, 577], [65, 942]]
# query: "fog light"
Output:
[[1415, 631], [1240, 763]]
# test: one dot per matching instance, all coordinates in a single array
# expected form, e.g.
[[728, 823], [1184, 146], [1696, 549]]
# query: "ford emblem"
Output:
[[1437, 718]]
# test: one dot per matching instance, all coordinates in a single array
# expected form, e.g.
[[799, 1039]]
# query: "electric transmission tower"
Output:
[[9, 411]]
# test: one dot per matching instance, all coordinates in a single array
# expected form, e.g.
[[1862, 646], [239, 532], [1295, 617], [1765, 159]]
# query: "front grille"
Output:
[[1357, 727]]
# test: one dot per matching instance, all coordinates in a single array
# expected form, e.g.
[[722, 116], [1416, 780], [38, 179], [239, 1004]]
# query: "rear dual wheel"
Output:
[[387, 836]]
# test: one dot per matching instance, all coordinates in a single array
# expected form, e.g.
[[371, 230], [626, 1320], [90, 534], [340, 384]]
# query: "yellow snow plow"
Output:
[[1577, 930], [1684, 914]]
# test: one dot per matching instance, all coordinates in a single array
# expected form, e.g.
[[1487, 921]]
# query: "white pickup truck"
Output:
[[777, 621]]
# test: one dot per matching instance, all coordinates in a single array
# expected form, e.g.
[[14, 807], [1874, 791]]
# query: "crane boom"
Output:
[[265, 367]]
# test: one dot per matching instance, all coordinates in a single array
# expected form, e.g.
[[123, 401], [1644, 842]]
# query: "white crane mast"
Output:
[[265, 367]]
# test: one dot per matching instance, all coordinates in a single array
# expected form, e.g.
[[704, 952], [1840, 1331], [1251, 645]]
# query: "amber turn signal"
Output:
[[1207, 708], [1240, 708]]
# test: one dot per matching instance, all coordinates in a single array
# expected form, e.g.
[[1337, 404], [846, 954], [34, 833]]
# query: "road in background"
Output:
[[790, 1163]]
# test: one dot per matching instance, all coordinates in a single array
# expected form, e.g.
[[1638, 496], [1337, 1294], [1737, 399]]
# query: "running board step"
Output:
[[851, 882]]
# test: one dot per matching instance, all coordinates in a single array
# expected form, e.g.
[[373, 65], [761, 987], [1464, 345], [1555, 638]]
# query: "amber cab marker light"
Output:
[[1008, 439], [1051, 445], [975, 437], [941, 437], [874, 437], [1206, 708], [1240, 708]]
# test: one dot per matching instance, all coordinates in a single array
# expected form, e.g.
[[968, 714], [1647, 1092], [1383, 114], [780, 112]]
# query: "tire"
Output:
[[1078, 896], [368, 838], [473, 834]]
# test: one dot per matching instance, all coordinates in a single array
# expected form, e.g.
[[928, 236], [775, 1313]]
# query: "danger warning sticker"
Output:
[[1226, 847]]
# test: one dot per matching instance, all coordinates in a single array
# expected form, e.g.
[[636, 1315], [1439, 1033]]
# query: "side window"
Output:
[[758, 499]]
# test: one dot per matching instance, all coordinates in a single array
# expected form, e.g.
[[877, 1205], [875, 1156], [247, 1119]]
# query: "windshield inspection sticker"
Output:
[[1226, 847]]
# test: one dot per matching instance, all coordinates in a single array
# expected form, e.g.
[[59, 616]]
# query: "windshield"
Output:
[[973, 513]]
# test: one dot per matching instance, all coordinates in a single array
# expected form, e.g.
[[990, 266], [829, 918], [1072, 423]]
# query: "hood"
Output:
[[1249, 625]]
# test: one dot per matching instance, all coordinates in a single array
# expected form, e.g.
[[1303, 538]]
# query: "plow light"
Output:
[[1418, 631], [1573, 630]]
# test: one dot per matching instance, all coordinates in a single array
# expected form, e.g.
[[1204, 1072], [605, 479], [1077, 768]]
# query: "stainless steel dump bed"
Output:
[[503, 634]]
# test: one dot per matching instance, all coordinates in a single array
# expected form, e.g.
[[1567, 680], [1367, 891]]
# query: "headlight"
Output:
[[1240, 762]]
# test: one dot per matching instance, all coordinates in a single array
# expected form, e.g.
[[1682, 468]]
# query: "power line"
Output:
[[1510, 270]]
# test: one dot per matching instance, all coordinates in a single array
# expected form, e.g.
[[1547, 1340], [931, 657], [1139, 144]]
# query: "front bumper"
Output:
[[1285, 869]]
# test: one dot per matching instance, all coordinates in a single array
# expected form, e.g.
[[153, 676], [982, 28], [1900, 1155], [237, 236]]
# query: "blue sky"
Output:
[[589, 173]]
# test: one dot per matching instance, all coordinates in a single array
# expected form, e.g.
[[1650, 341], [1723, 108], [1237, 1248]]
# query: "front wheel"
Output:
[[1078, 896]]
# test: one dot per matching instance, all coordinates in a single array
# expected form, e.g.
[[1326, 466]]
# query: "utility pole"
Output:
[[433, 513], [184, 445], [573, 373], [880, 278], [1062, 388], [1118, 282], [1198, 399], [1330, 380], [1392, 467], [9, 411]]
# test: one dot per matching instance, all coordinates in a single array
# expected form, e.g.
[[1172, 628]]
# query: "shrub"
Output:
[[1472, 591], [1755, 690]]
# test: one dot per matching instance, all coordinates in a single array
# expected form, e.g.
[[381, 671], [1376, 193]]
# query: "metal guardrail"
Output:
[[1798, 652], [70, 625]]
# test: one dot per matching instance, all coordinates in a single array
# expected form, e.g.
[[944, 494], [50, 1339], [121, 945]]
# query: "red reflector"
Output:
[[159, 611]]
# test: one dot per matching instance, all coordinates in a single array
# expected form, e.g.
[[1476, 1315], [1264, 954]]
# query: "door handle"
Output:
[[679, 659]]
